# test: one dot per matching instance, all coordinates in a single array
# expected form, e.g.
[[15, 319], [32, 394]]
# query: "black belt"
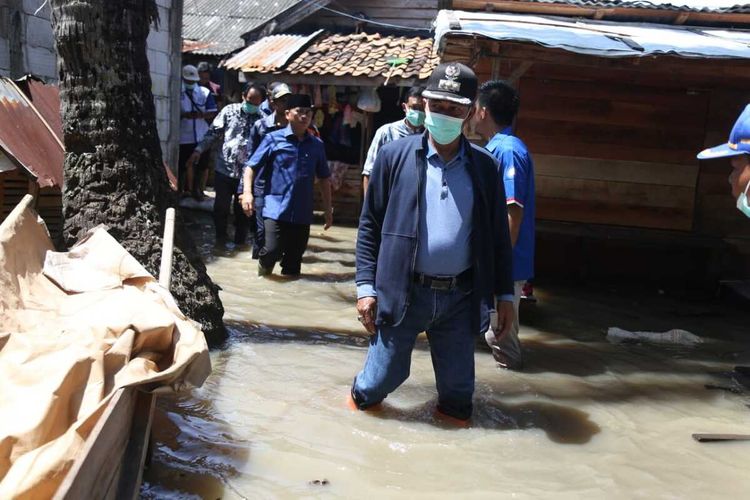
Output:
[[463, 281]]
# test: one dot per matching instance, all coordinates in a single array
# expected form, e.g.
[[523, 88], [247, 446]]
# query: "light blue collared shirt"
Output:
[[447, 203]]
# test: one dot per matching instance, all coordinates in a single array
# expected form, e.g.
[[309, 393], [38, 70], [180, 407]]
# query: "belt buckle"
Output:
[[442, 283]]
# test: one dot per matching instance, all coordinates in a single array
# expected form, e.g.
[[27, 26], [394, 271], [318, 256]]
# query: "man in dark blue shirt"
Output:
[[282, 172], [433, 252]]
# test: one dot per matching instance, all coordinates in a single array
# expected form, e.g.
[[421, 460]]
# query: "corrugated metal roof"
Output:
[[46, 99], [599, 38], [716, 6], [366, 55], [27, 138], [219, 24], [269, 53]]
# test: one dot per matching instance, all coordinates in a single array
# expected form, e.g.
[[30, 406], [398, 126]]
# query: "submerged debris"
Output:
[[675, 337]]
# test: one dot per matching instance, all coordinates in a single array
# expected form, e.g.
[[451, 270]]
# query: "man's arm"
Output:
[[214, 133], [368, 241], [372, 153], [325, 193], [211, 108], [258, 158], [515, 217], [504, 289]]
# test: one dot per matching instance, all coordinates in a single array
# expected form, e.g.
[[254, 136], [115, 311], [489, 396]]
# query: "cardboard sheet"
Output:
[[75, 327]]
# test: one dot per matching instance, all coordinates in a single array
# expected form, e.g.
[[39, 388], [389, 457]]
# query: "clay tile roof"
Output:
[[363, 54]]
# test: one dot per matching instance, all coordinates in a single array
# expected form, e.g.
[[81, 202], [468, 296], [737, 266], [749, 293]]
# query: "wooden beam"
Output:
[[630, 13], [682, 17], [718, 70], [355, 81], [519, 72]]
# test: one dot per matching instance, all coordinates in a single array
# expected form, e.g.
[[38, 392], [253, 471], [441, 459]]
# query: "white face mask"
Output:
[[742, 204]]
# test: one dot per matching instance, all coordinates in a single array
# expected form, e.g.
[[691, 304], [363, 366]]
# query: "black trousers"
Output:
[[260, 229], [286, 242], [226, 196]]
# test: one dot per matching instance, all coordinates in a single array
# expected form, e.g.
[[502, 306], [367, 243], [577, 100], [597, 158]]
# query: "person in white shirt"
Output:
[[196, 106], [412, 123]]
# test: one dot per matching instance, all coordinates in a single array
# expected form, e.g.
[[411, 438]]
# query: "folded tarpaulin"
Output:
[[74, 328]]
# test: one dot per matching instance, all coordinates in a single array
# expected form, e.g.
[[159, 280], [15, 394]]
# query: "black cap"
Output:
[[204, 66], [453, 82], [298, 101]]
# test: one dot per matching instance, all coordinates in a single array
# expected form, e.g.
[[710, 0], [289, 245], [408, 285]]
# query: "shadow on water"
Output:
[[562, 424], [313, 278], [575, 359], [328, 238], [313, 259], [320, 249]]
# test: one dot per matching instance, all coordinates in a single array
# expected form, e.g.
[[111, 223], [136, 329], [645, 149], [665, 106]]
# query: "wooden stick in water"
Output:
[[711, 438], [165, 270]]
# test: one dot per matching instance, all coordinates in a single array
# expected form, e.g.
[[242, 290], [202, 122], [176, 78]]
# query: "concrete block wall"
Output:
[[22, 26]]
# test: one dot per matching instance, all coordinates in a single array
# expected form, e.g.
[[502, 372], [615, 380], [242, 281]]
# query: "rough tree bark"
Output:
[[113, 164]]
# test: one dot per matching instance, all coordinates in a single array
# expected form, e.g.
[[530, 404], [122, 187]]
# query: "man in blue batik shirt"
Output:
[[282, 171], [496, 108]]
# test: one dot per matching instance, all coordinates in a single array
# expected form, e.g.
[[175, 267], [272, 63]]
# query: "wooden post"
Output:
[[165, 271]]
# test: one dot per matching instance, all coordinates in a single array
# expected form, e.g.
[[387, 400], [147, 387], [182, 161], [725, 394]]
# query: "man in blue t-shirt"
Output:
[[496, 108]]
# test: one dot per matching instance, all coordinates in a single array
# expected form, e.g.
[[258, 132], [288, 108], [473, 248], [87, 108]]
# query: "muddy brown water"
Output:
[[586, 419]]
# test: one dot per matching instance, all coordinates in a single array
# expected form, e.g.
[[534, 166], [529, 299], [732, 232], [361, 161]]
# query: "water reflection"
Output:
[[585, 419]]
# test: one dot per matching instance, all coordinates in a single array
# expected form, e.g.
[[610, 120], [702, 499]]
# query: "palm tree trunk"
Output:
[[113, 166]]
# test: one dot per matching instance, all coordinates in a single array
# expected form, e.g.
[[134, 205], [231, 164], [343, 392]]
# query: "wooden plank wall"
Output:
[[610, 154], [607, 152], [347, 201], [412, 13], [14, 185]]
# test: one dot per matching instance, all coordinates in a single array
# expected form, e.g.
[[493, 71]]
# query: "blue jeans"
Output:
[[446, 317]]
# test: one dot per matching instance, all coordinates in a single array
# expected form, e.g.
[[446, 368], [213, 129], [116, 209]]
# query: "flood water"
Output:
[[586, 419]]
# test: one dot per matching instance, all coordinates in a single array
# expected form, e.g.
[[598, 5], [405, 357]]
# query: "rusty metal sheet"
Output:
[[269, 53], [27, 138]]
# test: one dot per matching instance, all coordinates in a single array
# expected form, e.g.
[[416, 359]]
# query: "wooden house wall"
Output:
[[613, 146], [410, 13], [614, 142], [14, 185]]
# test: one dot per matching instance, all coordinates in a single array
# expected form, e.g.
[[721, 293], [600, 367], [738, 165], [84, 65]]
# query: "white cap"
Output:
[[280, 91], [190, 73]]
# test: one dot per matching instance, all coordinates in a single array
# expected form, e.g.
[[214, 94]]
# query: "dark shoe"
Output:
[[264, 271], [198, 195]]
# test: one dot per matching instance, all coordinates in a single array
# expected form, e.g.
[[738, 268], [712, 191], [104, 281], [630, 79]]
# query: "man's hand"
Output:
[[248, 203], [505, 317], [366, 308], [329, 218]]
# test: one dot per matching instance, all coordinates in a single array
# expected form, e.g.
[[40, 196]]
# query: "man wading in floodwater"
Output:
[[433, 252], [288, 161]]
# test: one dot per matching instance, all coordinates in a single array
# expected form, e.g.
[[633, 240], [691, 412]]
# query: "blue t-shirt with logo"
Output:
[[518, 177]]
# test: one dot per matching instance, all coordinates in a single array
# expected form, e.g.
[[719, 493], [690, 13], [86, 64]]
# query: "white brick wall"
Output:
[[40, 58]]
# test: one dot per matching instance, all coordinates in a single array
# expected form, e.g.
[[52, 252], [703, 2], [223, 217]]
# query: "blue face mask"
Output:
[[249, 108], [742, 204], [443, 129], [415, 117], [190, 85]]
